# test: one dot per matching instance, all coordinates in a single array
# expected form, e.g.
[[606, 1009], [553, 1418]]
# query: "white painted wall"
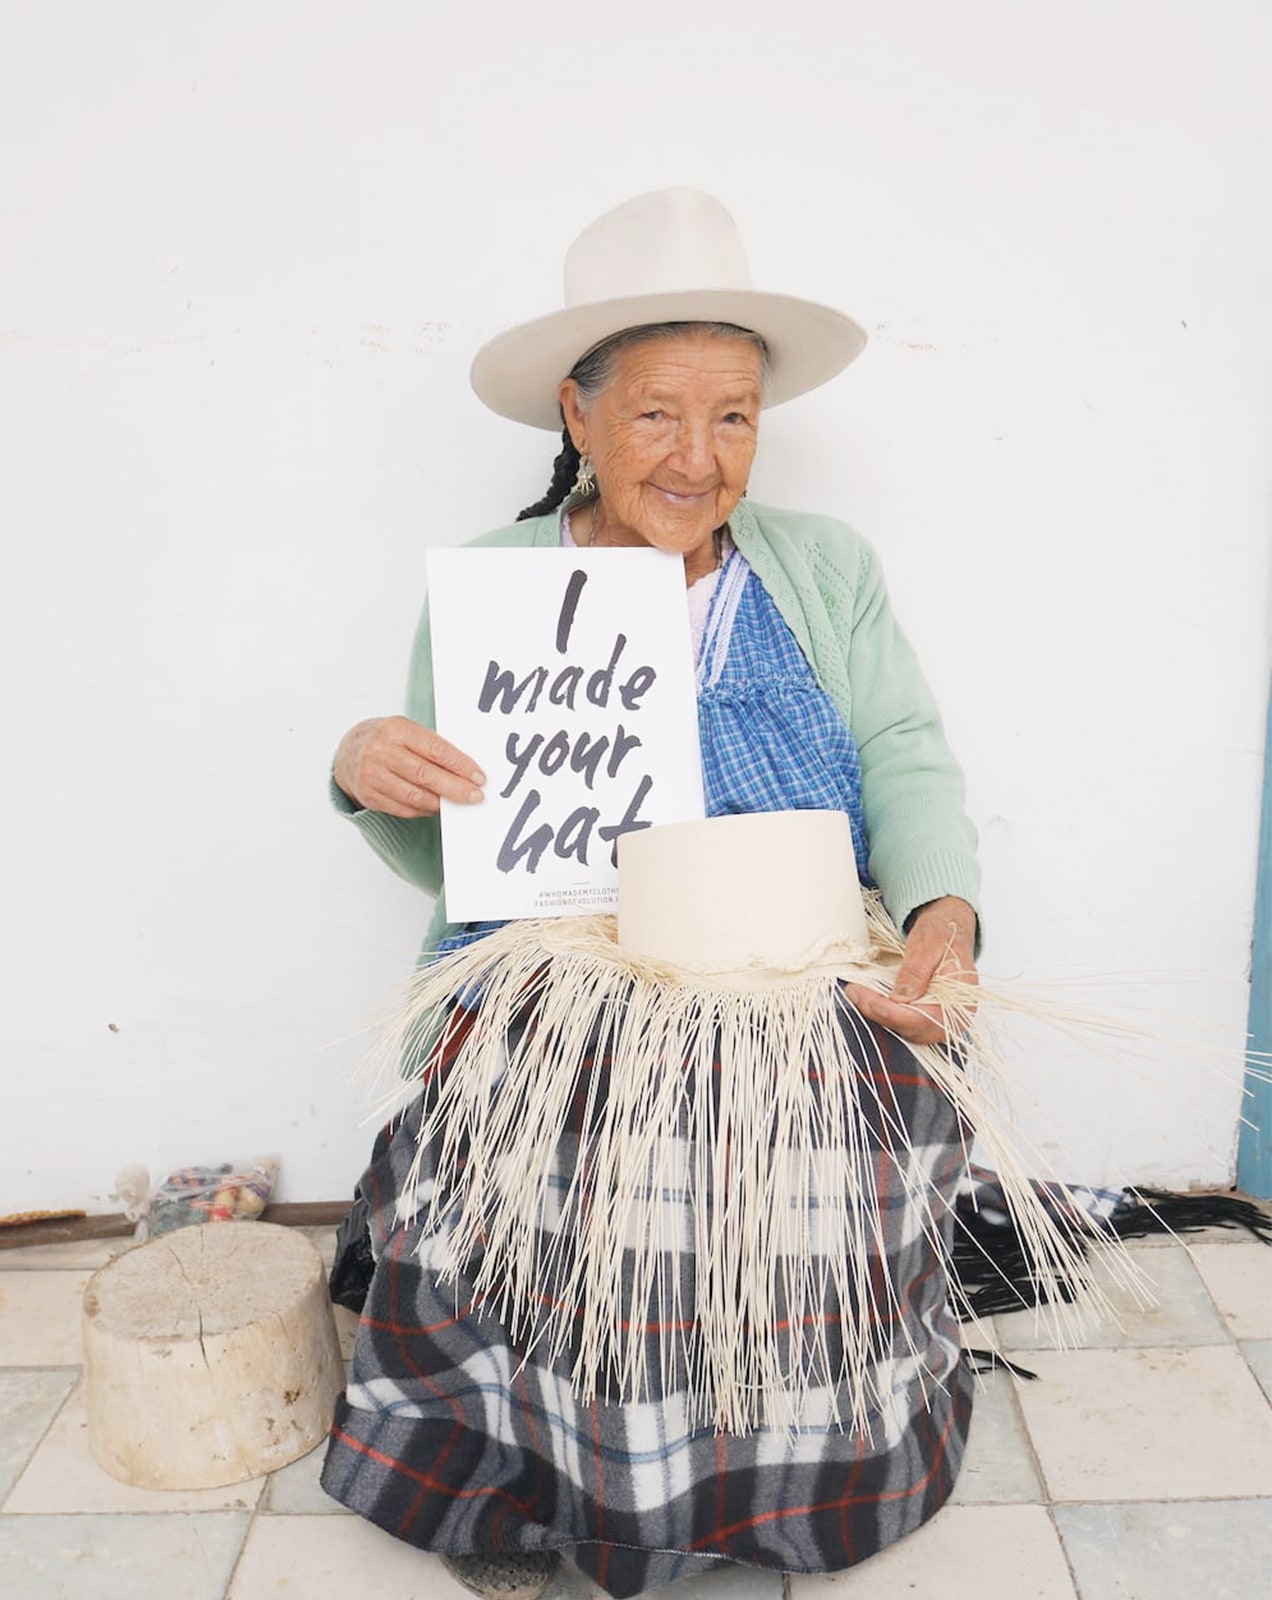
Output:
[[247, 253]]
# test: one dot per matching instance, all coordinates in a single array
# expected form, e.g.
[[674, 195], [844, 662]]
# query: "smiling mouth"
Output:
[[680, 499]]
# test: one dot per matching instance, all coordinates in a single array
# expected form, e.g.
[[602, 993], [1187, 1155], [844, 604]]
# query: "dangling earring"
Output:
[[585, 481]]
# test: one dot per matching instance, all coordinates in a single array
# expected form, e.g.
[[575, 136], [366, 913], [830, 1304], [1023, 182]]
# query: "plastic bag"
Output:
[[354, 1265], [234, 1191]]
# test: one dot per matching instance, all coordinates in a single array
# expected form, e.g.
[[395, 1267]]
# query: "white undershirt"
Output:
[[698, 593]]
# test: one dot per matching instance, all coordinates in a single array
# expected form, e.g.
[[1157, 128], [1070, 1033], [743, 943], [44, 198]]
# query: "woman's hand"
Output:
[[397, 766], [941, 938]]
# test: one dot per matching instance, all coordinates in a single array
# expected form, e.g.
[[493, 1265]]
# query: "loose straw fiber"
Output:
[[774, 1157]]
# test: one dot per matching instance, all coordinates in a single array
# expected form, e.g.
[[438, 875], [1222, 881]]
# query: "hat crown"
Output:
[[666, 242], [762, 896]]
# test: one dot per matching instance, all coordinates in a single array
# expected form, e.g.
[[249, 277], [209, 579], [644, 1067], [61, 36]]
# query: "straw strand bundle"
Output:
[[776, 1150]]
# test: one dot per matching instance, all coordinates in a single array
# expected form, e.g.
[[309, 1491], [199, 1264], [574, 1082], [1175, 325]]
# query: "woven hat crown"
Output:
[[667, 242], [759, 899]]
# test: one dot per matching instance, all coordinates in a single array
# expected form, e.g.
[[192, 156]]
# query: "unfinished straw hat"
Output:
[[716, 1000], [673, 255]]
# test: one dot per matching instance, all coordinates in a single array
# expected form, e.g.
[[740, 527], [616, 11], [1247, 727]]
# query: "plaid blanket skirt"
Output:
[[454, 1439]]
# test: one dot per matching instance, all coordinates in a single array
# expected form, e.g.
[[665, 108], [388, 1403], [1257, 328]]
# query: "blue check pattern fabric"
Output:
[[772, 739]]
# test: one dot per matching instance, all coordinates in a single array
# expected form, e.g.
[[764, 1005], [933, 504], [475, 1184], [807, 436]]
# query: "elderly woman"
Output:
[[810, 698]]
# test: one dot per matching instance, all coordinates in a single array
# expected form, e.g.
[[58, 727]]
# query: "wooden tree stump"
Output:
[[210, 1356]]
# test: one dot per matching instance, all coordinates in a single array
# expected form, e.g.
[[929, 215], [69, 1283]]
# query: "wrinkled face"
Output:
[[672, 438]]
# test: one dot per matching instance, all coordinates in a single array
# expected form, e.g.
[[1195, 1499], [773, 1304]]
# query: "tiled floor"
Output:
[[1136, 1468]]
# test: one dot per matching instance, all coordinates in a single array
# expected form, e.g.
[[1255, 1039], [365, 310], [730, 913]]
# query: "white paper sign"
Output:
[[567, 675]]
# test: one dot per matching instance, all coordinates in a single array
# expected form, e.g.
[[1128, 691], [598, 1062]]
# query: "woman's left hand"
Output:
[[942, 938]]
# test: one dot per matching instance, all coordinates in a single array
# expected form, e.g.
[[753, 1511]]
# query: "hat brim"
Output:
[[519, 372]]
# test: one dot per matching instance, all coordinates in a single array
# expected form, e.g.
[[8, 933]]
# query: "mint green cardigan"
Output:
[[825, 581]]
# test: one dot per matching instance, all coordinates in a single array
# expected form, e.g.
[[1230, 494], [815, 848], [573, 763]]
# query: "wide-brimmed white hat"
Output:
[[673, 255]]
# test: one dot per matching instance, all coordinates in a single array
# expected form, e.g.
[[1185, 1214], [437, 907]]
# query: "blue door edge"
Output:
[[1254, 1145]]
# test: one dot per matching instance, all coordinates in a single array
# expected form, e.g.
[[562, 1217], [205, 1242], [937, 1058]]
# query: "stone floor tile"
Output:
[[1240, 1279], [1147, 1424], [724, 1583], [1166, 1241], [981, 1333], [1170, 1241], [346, 1329], [28, 1403], [111, 1558], [313, 1555], [40, 1318], [1258, 1354], [964, 1553], [1183, 1315], [74, 1254], [998, 1467], [324, 1242], [63, 1477], [1175, 1551], [319, 1555], [570, 1584], [295, 1489]]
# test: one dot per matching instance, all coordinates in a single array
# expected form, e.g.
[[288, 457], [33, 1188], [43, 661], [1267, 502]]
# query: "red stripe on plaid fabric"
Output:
[[416, 1371], [455, 1029], [813, 1320], [847, 1543], [407, 1520], [428, 1482], [541, 1473], [684, 1325], [375, 1203], [840, 1503], [408, 1361], [402, 1329]]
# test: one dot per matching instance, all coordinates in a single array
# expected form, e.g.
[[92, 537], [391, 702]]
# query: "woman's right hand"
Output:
[[393, 765]]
